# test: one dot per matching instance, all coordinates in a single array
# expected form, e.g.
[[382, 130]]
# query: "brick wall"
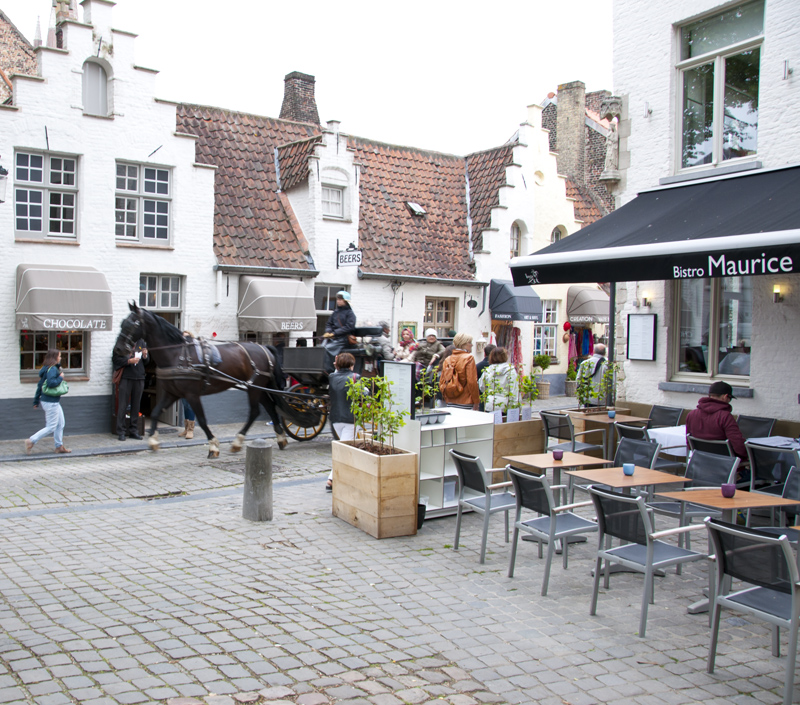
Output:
[[595, 162], [16, 54], [299, 103], [550, 122]]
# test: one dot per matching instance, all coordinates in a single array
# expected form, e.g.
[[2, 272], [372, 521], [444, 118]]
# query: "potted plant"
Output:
[[375, 484], [571, 382], [605, 393], [523, 436], [427, 387], [542, 363]]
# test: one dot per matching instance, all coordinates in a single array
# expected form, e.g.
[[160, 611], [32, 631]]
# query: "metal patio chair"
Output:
[[755, 426], [661, 416], [560, 426]]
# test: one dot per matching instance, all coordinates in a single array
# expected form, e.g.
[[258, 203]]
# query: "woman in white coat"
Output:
[[499, 382]]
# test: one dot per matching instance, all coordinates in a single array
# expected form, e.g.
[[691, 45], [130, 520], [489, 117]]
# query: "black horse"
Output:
[[185, 373]]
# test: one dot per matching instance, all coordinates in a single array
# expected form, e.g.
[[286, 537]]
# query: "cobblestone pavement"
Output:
[[133, 578]]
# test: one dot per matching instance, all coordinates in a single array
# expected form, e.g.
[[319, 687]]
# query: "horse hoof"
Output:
[[238, 442], [153, 443], [213, 453], [282, 442]]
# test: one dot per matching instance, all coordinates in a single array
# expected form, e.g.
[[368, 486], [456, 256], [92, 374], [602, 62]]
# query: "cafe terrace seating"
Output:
[[560, 426], [755, 426], [476, 492], [661, 416], [722, 447], [556, 523], [771, 590], [642, 434], [628, 519]]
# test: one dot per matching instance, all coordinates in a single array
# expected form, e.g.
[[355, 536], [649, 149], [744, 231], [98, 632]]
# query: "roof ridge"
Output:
[[248, 114], [420, 150], [16, 29], [493, 149]]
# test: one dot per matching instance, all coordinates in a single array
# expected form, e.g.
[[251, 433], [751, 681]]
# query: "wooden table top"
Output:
[[741, 500], [543, 461], [606, 419], [615, 477]]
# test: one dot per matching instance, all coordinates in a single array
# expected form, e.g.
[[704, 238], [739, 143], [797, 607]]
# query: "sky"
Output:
[[445, 75]]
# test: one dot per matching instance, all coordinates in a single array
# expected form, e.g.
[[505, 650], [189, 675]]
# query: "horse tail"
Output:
[[278, 373]]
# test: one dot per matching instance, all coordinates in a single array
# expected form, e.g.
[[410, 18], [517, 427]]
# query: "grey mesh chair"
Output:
[[704, 470], [788, 515], [769, 466], [771, 590], [717, 447], [755, 426], [640, 433], [560, 426], [628, 519], [556, 523], [476, 492], [661, 416]]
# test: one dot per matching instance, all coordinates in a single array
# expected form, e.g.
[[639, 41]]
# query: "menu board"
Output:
[[641, 336], [402, 377]]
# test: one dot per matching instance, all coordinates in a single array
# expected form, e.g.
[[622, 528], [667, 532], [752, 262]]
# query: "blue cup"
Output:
[[611, 413], [628, 468]]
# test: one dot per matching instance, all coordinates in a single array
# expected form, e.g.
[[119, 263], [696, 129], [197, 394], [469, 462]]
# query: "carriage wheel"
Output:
[[306, 433]]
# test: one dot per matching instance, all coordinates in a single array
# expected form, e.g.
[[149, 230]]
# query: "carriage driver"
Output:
[[340, 325]]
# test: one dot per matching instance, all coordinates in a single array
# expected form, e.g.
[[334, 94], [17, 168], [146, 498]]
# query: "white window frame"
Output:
[[328, 296], [143, 203], [515, 240], [71, 343], [557, 233], [717, 58], [161, 292], [713, 353], [41, 175], [545, 334], [333, 203], [434, 306]]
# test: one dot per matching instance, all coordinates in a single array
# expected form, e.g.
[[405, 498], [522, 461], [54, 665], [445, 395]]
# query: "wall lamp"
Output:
[[777, 297], [646, 302]]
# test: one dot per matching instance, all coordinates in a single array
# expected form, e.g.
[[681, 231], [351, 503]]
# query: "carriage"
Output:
[[307, 368]]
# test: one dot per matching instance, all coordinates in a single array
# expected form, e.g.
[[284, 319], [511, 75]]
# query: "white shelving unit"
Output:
[[471, 432]]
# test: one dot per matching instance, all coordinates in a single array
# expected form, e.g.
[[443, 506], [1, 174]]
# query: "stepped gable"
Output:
[[393, 239], [17, 55], [586, 208], [251, 224], [487, 173], [293, 161]]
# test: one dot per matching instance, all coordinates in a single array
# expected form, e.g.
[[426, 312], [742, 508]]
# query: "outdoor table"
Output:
[[605, 419], [615, 477], [777, 442], [728, 506], [545, 461], [671, 438]]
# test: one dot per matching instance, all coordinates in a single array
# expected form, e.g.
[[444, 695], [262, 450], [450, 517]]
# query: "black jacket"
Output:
[[132, 371]]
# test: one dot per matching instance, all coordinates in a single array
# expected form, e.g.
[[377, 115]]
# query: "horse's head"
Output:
[[131, 330]]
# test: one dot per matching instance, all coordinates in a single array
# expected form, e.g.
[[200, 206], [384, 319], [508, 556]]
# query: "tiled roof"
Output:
[[293, 161], [393, 240], [487, 173], [587, 209], [251, 223]]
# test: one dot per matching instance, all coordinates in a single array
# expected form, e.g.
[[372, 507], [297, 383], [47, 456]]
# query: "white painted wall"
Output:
[[645, 51]]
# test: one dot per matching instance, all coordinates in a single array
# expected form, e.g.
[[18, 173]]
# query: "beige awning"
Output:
[[587, 305], [62, 297], [270, 305]]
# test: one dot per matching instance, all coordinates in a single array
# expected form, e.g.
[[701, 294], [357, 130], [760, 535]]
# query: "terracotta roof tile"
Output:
[[251, 224], [487, 173], [293, 160], [392, 238], [586, 208]]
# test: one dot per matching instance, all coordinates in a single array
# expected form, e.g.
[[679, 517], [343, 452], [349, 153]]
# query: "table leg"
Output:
[[701, 606]]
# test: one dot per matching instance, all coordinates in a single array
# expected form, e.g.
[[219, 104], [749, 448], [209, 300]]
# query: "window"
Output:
[[557, 234], [95, 89], [715, 321], [719, 76], [142, 204], [545, 333], [439, 314], [516, 237], [325, 296], [160, 292], [34, 344], [45, 194], [332, 202]]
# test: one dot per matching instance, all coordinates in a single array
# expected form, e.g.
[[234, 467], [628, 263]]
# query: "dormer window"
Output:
[[332, 202], [95, 89], [416, 209], [515, 239]]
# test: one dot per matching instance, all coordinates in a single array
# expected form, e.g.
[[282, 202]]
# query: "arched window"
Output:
[[95, 89], [515, 240], [557, 234]]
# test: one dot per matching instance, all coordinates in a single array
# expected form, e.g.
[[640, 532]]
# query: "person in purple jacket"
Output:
[[712, 419]]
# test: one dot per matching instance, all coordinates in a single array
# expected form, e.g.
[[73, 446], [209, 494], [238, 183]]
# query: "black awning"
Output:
[[740, 224], [510, 303]]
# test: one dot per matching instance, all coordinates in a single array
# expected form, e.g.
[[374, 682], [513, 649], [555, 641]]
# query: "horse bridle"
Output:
[[129, 340]]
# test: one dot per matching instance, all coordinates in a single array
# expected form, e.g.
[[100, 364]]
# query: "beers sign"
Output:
[[349, 258]]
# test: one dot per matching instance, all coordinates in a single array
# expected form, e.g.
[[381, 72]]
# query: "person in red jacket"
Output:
[[712, 419]]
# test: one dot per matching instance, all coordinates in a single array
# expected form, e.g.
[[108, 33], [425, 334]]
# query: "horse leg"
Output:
[[269, 405], [238, 442], [213, 443], [163, 399]]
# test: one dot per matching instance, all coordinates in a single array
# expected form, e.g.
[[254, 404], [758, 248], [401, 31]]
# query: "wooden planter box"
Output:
[[518, 438], [375, 493]]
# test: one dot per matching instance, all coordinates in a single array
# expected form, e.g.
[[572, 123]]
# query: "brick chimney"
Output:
[[299, 103], [571, 130]]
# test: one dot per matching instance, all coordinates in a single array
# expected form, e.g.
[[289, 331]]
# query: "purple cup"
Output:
[[558, 454], [728, 490]]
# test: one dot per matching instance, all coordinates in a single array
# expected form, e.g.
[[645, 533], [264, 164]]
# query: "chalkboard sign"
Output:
[[402, 376], [641, 336]]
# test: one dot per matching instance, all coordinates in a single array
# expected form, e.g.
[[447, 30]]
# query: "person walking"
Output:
[[189, 417], [130, 391], [499, 381], [593, 369], [341, 413], [49, 376], [458, 381]]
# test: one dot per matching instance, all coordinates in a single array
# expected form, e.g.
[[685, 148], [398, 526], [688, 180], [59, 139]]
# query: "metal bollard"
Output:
[[257, 500]]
